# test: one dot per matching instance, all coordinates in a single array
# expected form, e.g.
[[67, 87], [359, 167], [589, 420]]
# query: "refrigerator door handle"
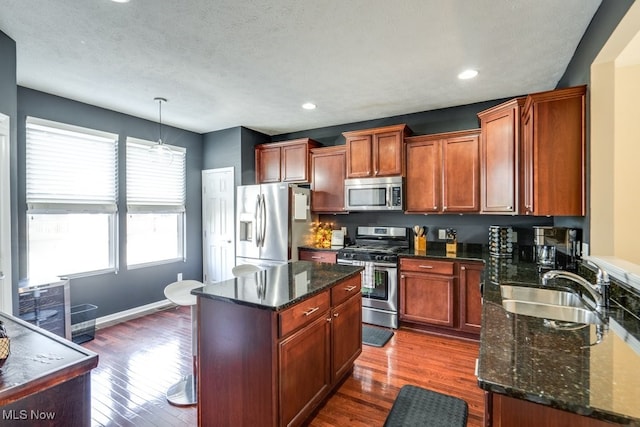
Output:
[[263, 211], [257, 221]]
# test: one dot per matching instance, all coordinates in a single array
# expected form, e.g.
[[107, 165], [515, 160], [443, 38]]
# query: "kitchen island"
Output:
[[273, 344], [46, 380]]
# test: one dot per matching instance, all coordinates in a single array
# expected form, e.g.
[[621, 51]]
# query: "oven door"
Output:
[[379, 284]]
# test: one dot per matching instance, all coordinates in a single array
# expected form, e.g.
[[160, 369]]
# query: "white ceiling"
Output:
[[226, 63]]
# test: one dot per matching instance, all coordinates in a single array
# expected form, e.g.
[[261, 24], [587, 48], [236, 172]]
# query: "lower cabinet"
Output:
[[346, 335], [505, 411], [441, 294]]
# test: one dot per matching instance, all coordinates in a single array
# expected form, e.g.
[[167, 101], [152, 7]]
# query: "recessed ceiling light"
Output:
[[309, 106], [467, 74]]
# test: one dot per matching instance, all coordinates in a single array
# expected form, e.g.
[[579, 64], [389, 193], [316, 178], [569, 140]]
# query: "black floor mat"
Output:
[[376, 337]]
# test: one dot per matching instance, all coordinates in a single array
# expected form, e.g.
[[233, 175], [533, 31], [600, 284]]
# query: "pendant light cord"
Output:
[[160, 100]]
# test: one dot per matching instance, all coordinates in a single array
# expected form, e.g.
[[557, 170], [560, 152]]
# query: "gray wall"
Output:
[[9, 107], [128, 288], [578, 72]]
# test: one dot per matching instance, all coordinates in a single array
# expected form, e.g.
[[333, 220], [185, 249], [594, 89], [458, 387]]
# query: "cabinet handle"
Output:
[[336, 314], [311, 310], [435, 208], [463, 268], [509, 207], [425, 266], [329, 319], [444, 208], [316, 257], [402, 276], [350, 288]]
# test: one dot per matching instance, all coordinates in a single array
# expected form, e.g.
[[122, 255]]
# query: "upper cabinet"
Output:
[[284, 161], [499, 157], [443, 173], [376, 152], [328, 168], [553, 153]]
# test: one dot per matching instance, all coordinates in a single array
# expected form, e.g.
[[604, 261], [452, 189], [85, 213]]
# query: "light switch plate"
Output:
[[442, 233], [585, 249]]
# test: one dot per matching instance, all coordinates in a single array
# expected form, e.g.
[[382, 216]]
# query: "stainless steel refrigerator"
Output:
[[272, 221]]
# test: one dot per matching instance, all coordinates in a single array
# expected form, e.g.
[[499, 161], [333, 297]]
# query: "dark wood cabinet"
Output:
[[553, 153], [443, 172], [330, 257], [376, 152], [499, 157], [441, 296], [328, 172], [284, 161], [304, 362], [469, 282], [346, 331], [505, 411], [427, 292]]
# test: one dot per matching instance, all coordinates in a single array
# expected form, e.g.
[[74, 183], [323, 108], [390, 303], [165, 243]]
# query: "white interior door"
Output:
[[218, 251], [5, 218]]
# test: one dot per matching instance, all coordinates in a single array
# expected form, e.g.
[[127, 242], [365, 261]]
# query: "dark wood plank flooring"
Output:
[[141, 358]]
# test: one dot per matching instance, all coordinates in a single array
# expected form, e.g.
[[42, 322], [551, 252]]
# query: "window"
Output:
[[156, 192], [71, 192]]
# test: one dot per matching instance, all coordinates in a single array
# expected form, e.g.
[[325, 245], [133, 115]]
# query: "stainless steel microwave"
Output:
[[374, 194]]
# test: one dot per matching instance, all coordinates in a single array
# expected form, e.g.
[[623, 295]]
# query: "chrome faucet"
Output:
[[599, 292]]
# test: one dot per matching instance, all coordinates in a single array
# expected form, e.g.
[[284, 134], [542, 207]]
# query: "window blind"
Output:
[[155, 180], [69, 168]]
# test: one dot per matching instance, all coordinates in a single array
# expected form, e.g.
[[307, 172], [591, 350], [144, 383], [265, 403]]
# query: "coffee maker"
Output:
[[556, 247]]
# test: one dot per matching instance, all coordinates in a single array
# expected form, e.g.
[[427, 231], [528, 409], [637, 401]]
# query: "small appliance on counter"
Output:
[[557, 247], [452, 242]]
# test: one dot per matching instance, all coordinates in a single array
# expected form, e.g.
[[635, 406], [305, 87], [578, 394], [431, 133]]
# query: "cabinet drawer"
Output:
[[329, 257], [303, 313], [427, 266], [345, 290]]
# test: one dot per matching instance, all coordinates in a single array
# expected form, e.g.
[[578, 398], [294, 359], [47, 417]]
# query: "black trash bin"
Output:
[[83, 322]]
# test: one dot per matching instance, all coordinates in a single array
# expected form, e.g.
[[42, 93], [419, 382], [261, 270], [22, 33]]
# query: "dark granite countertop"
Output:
[[278, 287], [523, 357]]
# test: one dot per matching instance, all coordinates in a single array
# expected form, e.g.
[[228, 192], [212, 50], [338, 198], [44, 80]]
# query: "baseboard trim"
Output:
[[122, 316]]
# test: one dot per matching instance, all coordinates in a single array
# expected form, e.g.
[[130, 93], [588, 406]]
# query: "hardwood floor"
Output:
[[141, 358]]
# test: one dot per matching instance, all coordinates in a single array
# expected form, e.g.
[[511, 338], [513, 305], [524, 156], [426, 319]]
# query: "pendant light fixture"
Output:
[[160, 151]]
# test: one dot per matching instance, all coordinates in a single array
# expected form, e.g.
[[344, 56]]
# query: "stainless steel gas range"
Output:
[[376, 249]]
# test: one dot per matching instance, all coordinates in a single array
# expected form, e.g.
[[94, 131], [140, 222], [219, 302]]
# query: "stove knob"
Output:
[[379, 257]]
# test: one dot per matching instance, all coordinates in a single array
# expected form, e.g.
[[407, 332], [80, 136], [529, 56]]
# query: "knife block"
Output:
[[420, 244]]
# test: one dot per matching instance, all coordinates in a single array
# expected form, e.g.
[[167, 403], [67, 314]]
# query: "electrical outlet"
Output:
[[585, 249], [179, 276], [442, 234]]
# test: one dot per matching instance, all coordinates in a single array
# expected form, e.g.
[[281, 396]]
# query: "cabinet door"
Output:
[[427, 299], [469, 281], [387, 153], [267, 165], [499, 155], [423, 177], [304, 366], [461, 178], [346, 336], [328, 171], [295, 163], [359, 156], [527, 162]]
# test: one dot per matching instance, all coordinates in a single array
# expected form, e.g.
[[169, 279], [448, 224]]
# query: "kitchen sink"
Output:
[[561, 313], [541, 295]]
